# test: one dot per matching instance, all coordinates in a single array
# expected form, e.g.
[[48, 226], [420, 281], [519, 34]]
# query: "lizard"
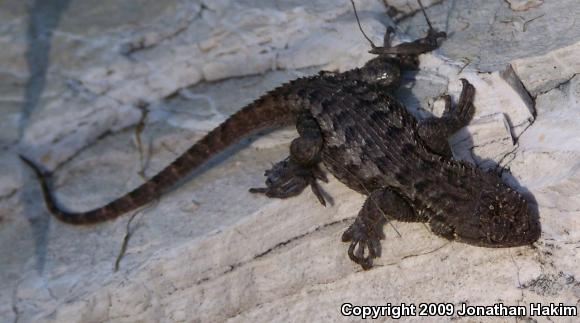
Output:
[[350, 123]]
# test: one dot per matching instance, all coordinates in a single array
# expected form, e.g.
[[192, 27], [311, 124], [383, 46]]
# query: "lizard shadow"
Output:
[[44, 17]]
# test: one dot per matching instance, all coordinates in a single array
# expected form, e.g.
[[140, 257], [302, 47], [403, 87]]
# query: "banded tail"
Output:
[[271, 110]]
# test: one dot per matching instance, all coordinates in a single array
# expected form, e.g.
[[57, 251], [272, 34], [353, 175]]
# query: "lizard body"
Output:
[[366, 139]]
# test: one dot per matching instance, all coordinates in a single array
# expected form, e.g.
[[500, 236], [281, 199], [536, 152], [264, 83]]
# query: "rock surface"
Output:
[[106, 95]]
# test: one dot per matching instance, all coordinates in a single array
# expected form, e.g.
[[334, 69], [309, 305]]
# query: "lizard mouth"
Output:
[[527, 230]]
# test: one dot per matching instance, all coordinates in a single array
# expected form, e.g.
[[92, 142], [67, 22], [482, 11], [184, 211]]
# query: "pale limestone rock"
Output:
[[401, 8], [542, 73], [488, 34], [149, 63], [500, 92], [523, 5], [11, 181], [210, 251]]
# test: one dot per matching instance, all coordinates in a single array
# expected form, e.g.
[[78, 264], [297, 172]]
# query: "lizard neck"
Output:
[[448, 186]]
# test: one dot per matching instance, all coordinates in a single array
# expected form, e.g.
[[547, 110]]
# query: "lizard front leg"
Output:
[[435, 131], [367, 230], [290, 176]]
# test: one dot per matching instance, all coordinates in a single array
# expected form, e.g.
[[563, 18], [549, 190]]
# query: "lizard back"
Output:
[[369, 136]]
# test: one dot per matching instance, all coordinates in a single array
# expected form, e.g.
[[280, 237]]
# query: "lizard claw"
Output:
[[260, 190], [365, 243], [317, 190], [464, 109]]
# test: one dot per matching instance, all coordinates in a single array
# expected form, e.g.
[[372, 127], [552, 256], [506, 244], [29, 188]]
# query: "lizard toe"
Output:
[[364, 244]]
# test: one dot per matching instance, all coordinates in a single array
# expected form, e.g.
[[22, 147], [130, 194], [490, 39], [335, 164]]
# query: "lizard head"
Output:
[[502, 218]]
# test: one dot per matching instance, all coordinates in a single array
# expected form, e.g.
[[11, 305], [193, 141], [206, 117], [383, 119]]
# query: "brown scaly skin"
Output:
[[367, 140]]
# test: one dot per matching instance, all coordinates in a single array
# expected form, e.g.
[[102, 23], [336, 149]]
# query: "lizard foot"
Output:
[[365, 242], [423, 45], [287, 178]]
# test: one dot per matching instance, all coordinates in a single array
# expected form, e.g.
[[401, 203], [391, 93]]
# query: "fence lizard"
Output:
[[352, 125]]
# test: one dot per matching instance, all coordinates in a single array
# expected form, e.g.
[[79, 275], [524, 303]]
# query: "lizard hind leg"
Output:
[[288, 178], [435, 132], [366, 232], [292, 175]]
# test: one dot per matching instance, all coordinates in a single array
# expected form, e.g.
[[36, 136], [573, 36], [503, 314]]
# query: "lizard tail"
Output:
[[270, 111]]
